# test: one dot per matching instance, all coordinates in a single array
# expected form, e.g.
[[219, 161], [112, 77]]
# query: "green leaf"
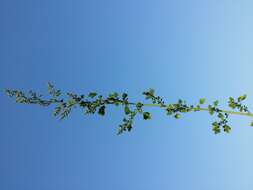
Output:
[[57, 110], [92, 94], [226, 128], [101, 110], [251, 124], [177, 116], [71, 102], [127, 110], [210, 110], [202, 100], [232, 105], [215, 103], [124, 96], [146, 115], [139, 107], [216, 128], [121, 129], [221, 116], [216, 124], [50, 87], [57, 93], [241, 98], [113, 95], [65, 113]]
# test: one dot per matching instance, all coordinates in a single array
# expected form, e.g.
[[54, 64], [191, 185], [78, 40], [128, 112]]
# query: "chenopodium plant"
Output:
[[92, 103]]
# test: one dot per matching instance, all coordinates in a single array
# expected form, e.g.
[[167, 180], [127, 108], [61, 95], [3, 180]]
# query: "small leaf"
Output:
[[121, 129], [216, 128], [251, 124], [177, 116], [231, 99], [101, 110], [71, 102], [232, 105], [241, 98], [113, 95], [139, 107], [216, 124], [202, 100], [146, 115], [50, 87], [210, 110], [57, 110], [127, 110], [65, 113], [226, 128], [92, 94], [57, 93], [215, 103], [124, 96], [221, 116]]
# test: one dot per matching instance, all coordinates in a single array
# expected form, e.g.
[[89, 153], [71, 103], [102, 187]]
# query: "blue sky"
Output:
[[183, 49]]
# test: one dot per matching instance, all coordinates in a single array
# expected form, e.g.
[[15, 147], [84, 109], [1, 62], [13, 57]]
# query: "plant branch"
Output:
[[206, 109], [93, 103]]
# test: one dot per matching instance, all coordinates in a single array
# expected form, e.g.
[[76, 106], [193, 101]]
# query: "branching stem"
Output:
[[93, 103], [205, 109]]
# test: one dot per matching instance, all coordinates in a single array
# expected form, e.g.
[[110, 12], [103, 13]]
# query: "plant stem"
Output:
[[231, 112], [206, 109]]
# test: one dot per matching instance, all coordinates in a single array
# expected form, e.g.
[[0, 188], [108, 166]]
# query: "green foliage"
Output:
[[226, 128], [216, 103], [146, 115], [232, 103], [216, 127], [93, 103], [127, 110], [202, 100], [92, 94], [124, 96], [241, 98], [177, 116], [150, 94], [52, 91], [101, 110]]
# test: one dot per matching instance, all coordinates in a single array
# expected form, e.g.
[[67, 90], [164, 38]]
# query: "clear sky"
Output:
[[184, 49]]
